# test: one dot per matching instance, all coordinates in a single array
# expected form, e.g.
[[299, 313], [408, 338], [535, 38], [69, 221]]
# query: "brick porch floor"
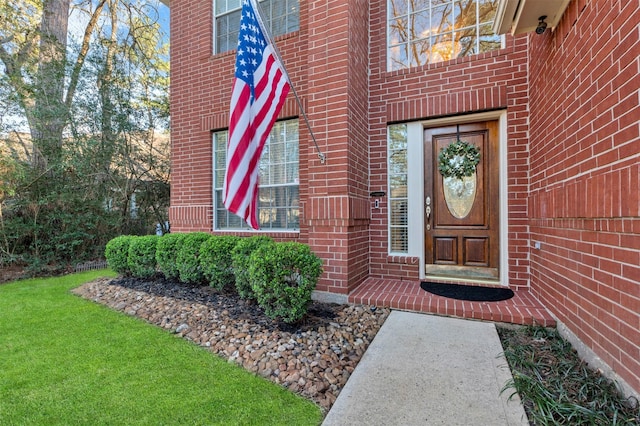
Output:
[[523, 308]]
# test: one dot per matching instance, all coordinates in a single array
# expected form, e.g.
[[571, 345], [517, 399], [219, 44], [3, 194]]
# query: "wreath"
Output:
[[458, 159]]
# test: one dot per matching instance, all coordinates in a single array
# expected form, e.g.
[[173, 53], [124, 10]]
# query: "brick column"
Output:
[[337, 211]]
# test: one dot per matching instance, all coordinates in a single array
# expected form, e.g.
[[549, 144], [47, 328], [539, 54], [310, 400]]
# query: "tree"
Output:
[[93, 99]]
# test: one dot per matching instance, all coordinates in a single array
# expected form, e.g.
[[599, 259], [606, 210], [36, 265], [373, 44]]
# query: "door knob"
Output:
[[427, 210]]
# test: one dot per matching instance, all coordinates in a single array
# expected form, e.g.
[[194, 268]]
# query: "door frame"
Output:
[[415, 136]]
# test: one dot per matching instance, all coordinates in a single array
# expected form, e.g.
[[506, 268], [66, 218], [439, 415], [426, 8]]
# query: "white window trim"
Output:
[[389, 200], [388, 36], [216, 16], [294, 231]]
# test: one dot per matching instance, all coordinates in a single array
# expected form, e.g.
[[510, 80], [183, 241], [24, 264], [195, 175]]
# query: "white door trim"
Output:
[[415, 153]]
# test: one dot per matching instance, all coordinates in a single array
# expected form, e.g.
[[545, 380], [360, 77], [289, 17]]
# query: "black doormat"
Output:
[[467, 292]]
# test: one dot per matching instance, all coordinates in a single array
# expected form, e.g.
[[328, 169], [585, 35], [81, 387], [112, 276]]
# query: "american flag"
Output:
[[260, 88]]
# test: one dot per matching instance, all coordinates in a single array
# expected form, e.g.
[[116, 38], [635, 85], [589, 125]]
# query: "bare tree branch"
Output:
[[86, 42]]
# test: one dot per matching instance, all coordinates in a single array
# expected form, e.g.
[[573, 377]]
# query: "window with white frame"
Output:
[[279, 193], [428, 31], [280, 16], [398, 193]]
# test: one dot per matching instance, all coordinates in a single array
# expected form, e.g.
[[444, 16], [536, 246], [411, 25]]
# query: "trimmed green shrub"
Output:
[[216, 262], [283, 276], [241, 255], [117, 253], [142, 256], [189, 268], [167, 254]]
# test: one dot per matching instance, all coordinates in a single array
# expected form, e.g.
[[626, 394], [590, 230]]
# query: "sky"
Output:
[[164, 18]]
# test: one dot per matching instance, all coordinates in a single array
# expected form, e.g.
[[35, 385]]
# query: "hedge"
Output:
[[283, 276], [167, 254], [280, 276], [241, 256], [142, 256], [117, 254], [216, 262], [189, 268]]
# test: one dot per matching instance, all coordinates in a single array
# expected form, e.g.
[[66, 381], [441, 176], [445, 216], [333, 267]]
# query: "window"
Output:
[[280, 16], [278, 196], [398, 194], [428, 31]]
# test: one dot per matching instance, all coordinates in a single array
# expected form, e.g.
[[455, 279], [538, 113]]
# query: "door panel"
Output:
[[476, 251], [446, 250], [463, 244]]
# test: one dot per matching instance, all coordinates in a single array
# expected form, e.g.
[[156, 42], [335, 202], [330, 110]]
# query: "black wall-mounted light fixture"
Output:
[[542, 25], [377, 194]]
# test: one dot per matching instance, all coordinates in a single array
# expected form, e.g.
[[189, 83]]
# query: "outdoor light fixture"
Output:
[[376, 202], [542, 25], [523, 16]]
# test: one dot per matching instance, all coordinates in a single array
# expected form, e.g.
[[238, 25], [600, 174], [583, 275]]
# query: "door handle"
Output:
[[428, 211]]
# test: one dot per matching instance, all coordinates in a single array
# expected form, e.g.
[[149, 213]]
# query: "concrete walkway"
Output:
[[429, 370]]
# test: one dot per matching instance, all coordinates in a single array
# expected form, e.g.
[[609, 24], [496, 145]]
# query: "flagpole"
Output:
[[267, 34]]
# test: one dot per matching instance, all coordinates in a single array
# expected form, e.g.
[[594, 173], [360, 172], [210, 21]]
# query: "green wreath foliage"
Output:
[[458, 159]]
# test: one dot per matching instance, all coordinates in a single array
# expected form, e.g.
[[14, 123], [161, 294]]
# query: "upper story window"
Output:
[[281, 17], [428, 31]]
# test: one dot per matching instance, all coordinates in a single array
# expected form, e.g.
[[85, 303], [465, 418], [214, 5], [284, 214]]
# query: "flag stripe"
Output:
[[237, 150], [259, 91]]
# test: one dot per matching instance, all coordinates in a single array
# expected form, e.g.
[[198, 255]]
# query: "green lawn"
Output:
[[68, 361]]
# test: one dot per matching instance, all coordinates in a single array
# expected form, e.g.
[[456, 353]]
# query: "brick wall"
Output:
[[489, 81], [338, 190], [191, 174], [337, 62], [200, 91], [585, 177], [329, 55]]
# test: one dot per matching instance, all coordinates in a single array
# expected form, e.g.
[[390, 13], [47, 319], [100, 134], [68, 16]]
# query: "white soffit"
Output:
[[522, 16]]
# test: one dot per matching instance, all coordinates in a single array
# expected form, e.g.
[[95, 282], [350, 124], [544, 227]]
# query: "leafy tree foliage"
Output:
[[94, 98]]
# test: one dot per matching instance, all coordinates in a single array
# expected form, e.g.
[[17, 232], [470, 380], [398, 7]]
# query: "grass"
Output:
[[556, 386], [65, 360]]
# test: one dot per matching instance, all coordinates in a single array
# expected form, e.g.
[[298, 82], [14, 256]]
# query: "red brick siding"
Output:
[[340, 44], [585, 177], [200, 91], [329, 54], [191, 47], [489, 81], [573, 173], [337, 109]]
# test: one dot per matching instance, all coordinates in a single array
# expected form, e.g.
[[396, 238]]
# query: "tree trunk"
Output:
[[50, 112], [105, 83]]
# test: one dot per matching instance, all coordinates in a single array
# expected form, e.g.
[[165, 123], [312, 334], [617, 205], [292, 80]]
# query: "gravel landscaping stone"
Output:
[[313, 357]]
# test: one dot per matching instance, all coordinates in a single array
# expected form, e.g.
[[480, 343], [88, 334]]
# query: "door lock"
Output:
[[427, 210]]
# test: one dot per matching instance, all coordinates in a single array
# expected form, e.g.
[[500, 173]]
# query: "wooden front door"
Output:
[[462, 240]]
